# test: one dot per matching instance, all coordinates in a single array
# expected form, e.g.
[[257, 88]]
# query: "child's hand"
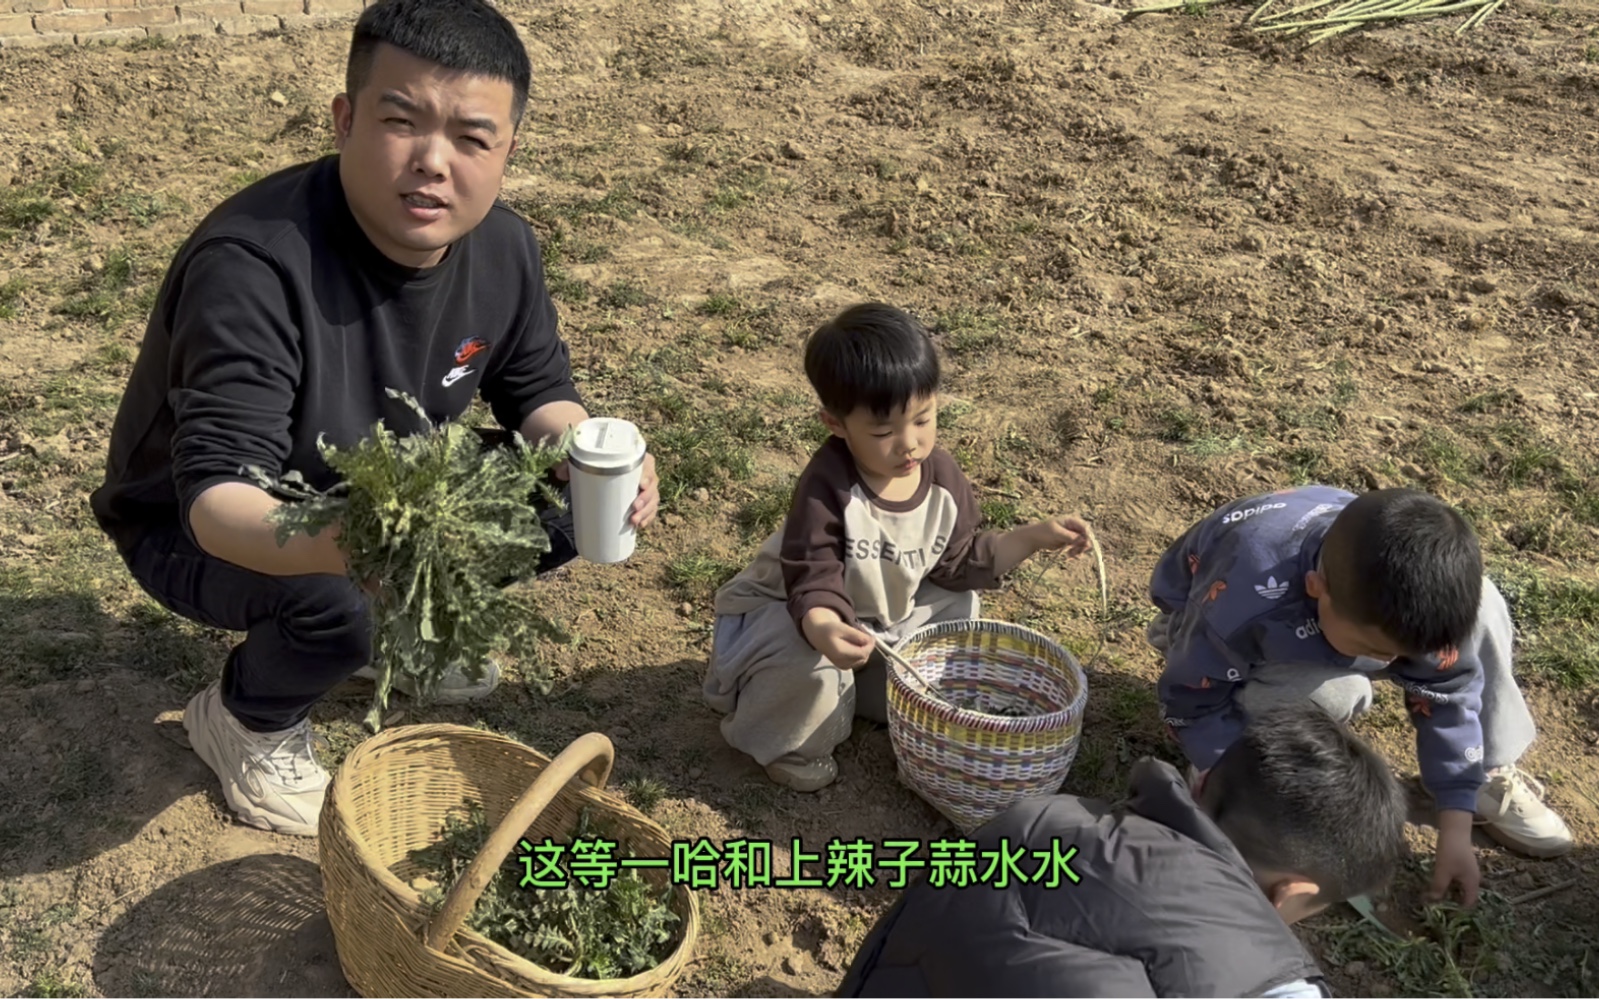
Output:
[[1067, 532], [1018, 545], [1456, 861], [844, 646]]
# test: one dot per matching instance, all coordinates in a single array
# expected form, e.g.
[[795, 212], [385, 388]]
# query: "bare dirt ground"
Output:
[[1171, 262]]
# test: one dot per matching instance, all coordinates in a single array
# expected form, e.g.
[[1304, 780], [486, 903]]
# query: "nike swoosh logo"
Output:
[[456, 374]]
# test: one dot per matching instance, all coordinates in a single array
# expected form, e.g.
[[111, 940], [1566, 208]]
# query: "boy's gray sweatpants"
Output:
[[780, 697], [1507, 725]]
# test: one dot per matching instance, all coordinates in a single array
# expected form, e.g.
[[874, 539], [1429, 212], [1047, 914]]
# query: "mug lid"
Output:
[[607, 442]]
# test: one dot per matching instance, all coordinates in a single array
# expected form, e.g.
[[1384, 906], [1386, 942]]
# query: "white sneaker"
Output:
[[455, 688], [1511, 807], [272, 780], [799, 774]]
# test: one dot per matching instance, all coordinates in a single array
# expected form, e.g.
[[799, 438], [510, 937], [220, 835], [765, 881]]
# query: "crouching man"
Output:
[[1174, 892]]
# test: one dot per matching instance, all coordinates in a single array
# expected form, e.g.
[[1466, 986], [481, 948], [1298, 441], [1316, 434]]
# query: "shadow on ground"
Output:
[[254, 926], [669, 745], [86, 764], [766, 985]]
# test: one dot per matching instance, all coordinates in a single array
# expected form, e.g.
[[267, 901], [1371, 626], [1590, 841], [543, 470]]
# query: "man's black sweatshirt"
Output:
[[279, 322]]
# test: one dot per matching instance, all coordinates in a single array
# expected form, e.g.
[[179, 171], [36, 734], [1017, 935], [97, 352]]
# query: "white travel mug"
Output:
[[606, 462]]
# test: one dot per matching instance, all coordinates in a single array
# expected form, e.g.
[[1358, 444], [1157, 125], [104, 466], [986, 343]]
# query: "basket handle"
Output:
[[591, 755]]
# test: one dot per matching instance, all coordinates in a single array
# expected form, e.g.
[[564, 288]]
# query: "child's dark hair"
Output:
[[874, 356], [469, 36], [1299, 794], [1408, 564]]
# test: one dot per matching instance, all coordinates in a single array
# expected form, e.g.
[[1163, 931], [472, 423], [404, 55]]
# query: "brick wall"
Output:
[[37, 23]]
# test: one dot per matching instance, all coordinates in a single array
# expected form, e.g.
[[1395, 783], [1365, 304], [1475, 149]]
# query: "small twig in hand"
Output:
[[895, 659], [1104, 596]]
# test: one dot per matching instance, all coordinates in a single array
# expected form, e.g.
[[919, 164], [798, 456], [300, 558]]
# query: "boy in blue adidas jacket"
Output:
[[1310, 593]]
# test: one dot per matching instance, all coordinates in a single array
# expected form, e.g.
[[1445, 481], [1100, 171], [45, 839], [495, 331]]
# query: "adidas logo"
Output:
[[1271, 589]]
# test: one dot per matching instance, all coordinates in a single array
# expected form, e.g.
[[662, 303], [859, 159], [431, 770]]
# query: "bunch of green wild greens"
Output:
[[620, 930], [438, 522]]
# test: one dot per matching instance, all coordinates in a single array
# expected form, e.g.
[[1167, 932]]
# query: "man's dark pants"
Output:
[[305, 635]]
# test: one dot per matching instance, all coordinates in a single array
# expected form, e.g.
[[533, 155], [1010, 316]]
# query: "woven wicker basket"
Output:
[[391, 797], [973, 764]]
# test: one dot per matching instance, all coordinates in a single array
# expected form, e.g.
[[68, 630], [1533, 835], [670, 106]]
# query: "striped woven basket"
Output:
[[954, 750]]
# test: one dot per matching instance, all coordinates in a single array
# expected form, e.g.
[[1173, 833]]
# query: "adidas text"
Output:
[[1237, 515]]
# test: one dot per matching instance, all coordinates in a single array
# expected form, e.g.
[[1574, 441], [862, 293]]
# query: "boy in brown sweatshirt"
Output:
[[882, 538]]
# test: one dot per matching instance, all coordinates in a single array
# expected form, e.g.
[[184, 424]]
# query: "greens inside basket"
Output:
[[594, 919], [986, 701]]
